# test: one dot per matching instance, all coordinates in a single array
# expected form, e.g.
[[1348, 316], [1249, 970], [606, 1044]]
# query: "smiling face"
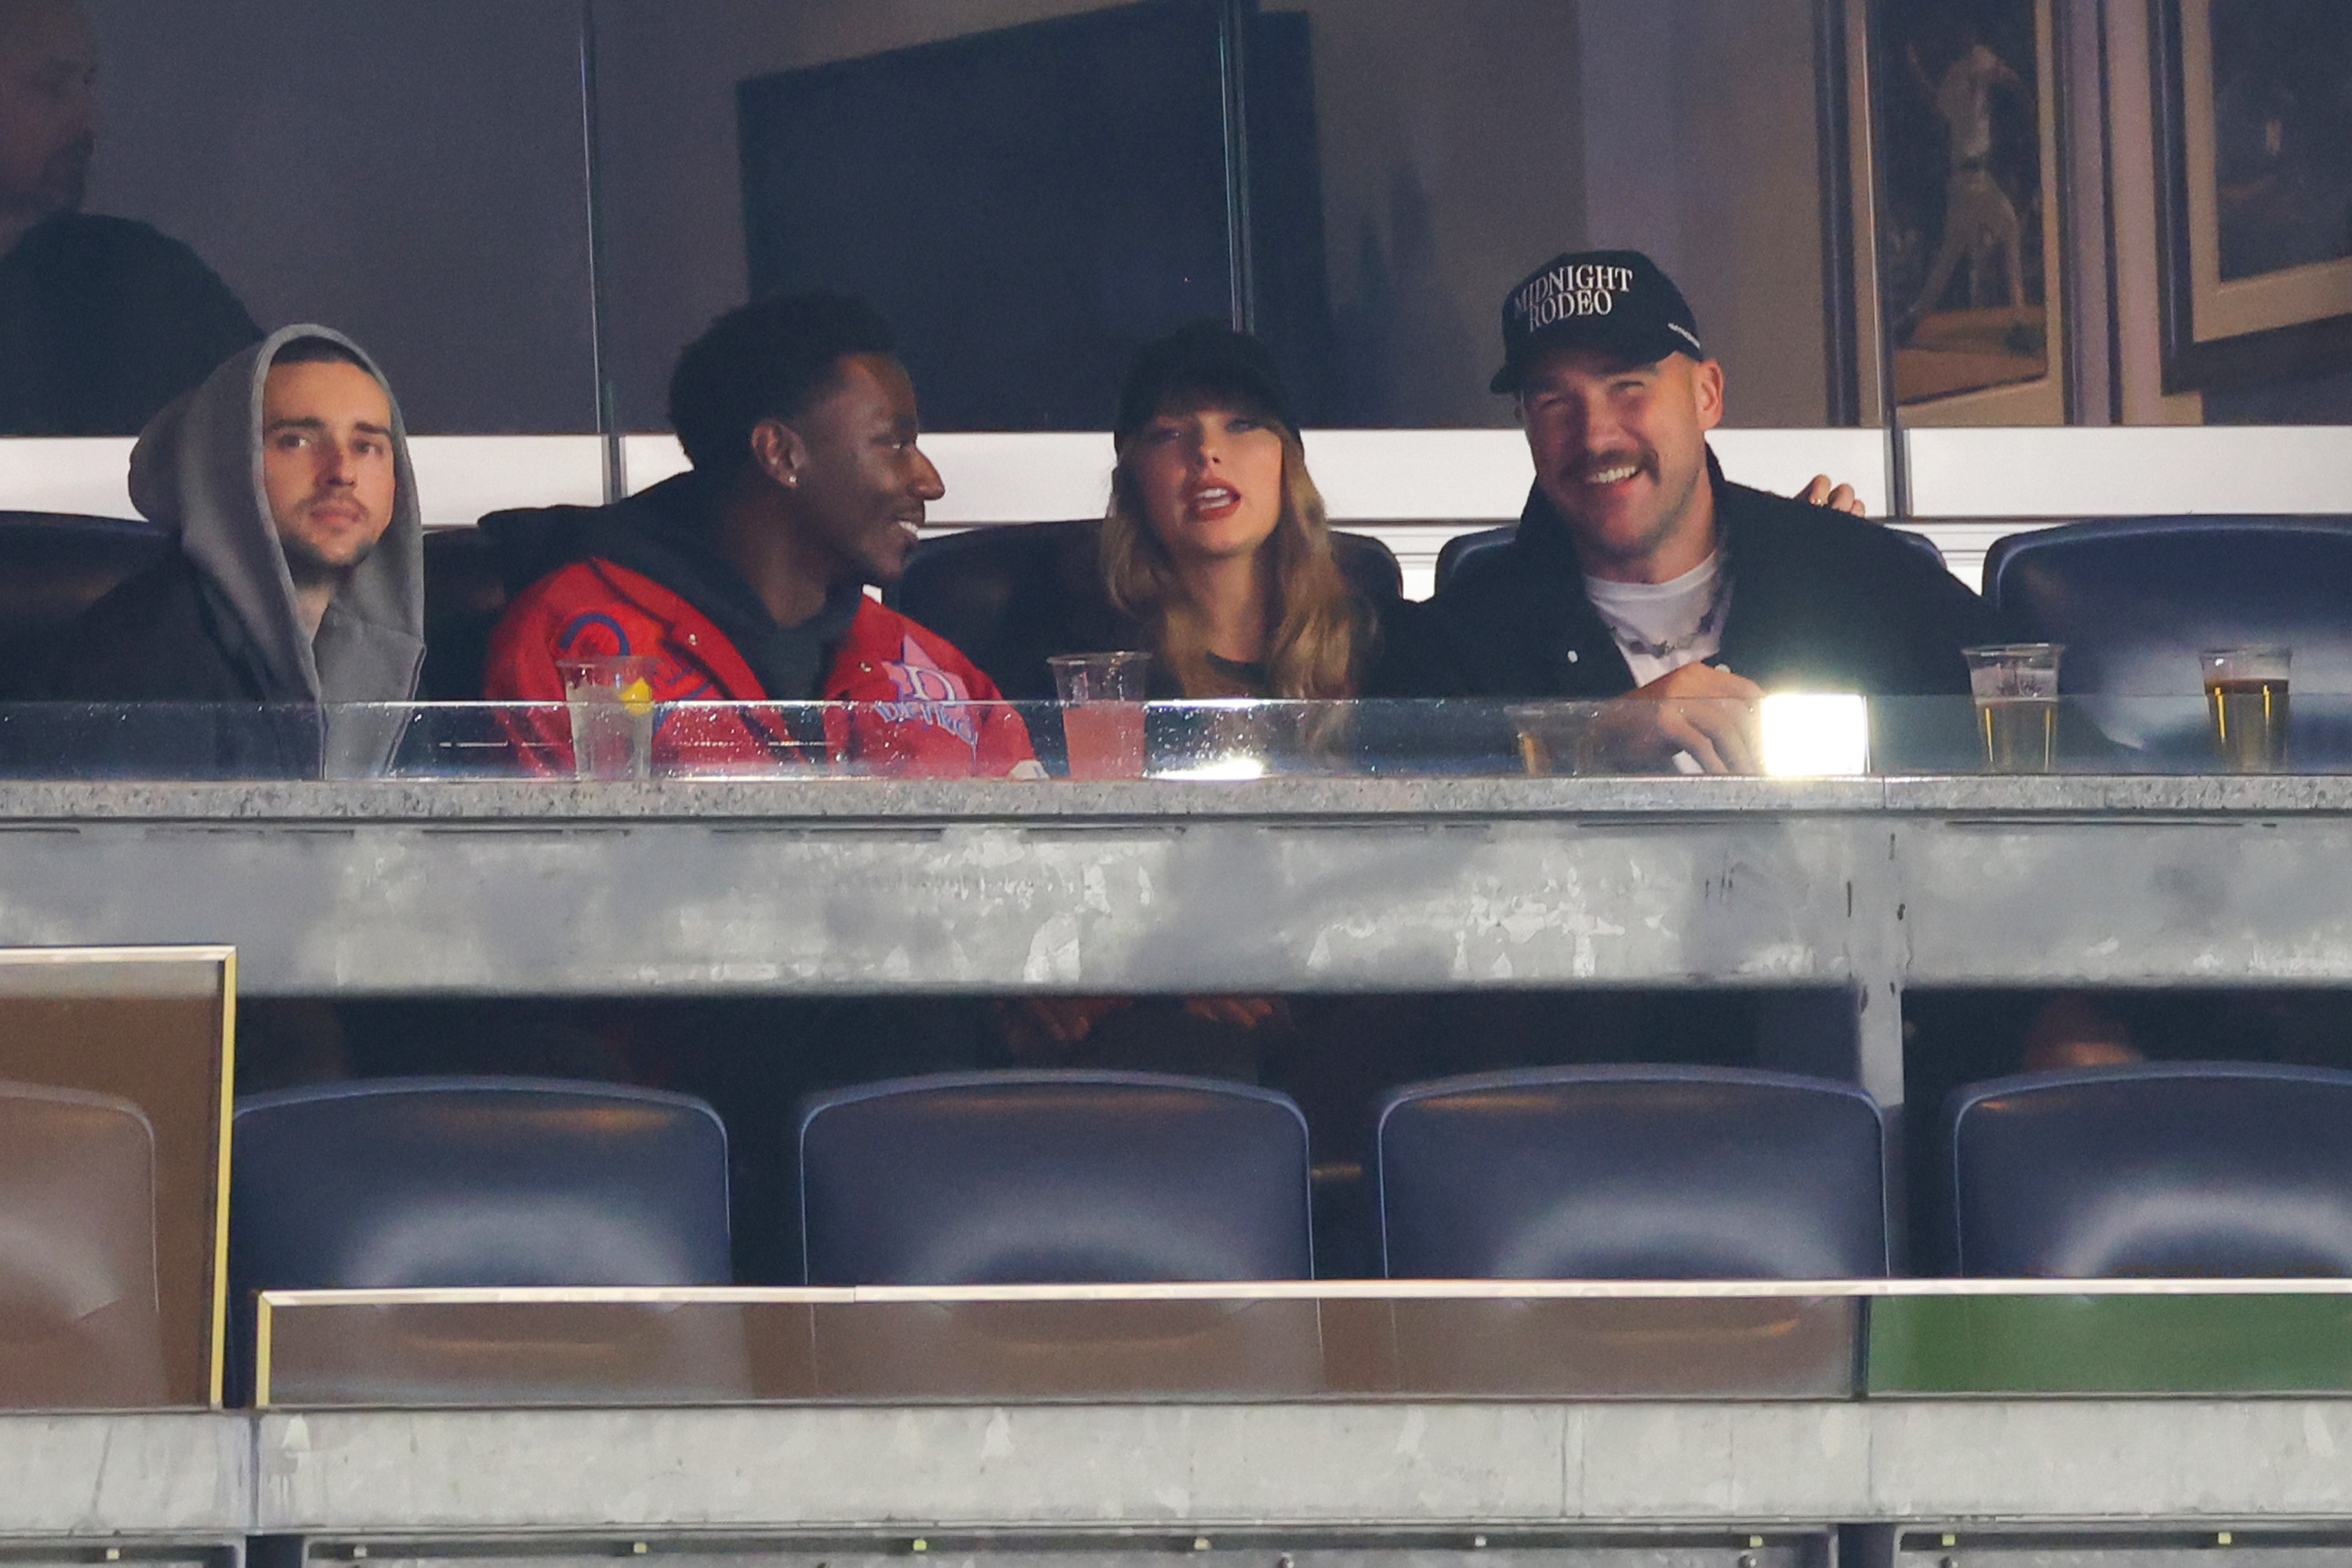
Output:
[[862, 491], [327, 465], [1620, 452], [49, 72], [1208, 480]]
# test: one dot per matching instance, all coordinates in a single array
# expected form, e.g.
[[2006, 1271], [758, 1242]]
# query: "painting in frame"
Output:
[[2255, 134], [1966, 151]]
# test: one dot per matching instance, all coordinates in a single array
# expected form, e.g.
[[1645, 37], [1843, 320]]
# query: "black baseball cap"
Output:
[[1205, 358], [1617, 300]]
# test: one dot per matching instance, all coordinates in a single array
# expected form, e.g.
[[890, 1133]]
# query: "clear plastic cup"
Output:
[[2246, 699], [1102, 711], [2016, 688], [611, 704]]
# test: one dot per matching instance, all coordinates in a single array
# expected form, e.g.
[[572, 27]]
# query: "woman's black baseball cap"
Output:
[[1206, 358]]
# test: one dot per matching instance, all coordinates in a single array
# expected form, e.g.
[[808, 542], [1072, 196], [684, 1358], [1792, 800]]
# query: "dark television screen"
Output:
[[1026, 204]]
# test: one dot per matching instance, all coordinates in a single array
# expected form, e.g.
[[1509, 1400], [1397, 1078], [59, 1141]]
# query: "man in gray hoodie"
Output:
[[299, 576]]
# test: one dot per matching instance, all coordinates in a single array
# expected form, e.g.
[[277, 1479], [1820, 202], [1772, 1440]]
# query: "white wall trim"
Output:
[[1366, 476], [459, 477], [2130, 471], [90, 475], [1412, 489]]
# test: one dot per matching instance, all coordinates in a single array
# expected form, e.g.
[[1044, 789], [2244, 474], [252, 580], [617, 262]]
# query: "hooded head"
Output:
[[198, 468]]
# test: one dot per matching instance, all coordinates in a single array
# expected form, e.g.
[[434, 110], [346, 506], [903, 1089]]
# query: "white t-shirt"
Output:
[[1645, 617]]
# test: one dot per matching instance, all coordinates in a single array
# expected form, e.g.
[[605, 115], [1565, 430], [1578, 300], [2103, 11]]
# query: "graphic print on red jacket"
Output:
[[925, 710]]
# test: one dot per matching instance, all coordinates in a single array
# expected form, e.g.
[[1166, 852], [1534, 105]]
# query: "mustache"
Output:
[[1642, 457]]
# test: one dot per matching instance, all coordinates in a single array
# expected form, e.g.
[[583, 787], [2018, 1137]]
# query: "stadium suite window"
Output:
[[1030, 188], [450, 233]]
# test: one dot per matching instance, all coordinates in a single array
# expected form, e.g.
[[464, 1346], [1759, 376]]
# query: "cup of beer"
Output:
[[1102, 711], [1556, 739], [2016, 688], [2245, 698]]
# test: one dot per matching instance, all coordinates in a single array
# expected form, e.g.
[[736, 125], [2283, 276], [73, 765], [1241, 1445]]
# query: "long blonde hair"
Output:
[[1313, 641]]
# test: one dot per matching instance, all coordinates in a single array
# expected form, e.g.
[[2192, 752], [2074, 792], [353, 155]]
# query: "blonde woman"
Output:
[[1214, 557]]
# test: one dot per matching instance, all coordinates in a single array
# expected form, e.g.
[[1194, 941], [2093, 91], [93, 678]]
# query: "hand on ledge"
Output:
[[1706, 712]]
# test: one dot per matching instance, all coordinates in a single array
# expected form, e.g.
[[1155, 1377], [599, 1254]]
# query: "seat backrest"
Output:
[[988, 590], [1052, 1177], [1467, 547], [1632, 1172], [1463, 548], [78, 1315], [53, 566], [2216, 1169], [464, 594], [2134, 599], [455, 1181]]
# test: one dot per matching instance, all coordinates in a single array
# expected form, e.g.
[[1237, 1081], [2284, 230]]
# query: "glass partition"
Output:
[[1427, 1339], [1241, 1342], [2211, 1336], [1027, 188], [1789, 736], [414, 175], [525, 211], [114, 1105], [1030, 189]]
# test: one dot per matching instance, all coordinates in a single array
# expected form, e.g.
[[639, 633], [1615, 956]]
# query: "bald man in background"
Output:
[[102, 321]]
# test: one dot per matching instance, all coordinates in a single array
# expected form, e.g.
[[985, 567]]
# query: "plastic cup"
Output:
[[2016, 688], [1556, 739], [2245, 698], [1102, 711], [611, 704]]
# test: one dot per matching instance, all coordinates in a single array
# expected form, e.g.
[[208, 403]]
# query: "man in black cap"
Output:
[[1640, 571]]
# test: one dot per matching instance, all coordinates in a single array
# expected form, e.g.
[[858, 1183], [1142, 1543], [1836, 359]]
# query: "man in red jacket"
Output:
[[743, 580]]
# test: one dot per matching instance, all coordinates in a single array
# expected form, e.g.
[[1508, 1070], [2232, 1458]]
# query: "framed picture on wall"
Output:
[[1965, 149], [2255, 143]]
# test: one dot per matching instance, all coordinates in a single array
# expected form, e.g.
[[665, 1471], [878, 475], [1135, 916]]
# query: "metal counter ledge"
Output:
[[612, 1474], [1867, 885]]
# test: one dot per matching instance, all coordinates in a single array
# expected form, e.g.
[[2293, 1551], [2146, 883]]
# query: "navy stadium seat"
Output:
[[1052, 1177], [1632, 1172], [1463, 548], [396, 1183], [2134, 599], [2179, 1169], [79, 1322], [53, 566]]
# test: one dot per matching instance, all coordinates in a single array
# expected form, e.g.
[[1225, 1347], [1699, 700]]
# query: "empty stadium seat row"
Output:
[[1564, 1172]]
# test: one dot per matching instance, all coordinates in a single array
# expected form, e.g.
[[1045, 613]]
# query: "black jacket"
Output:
[[1820, 601], [166, 641], [163, 636], [103, 322]]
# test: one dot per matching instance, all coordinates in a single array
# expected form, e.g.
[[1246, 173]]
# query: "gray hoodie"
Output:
[[197, 468]]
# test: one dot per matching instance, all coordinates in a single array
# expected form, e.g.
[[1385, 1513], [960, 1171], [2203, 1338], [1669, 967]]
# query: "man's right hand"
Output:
[[1698, 708]]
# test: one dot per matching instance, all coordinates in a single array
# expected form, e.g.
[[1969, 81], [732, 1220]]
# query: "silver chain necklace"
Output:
[[1709, 620]]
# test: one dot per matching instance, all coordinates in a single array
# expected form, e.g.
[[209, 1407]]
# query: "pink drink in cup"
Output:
[[1102, 711]]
